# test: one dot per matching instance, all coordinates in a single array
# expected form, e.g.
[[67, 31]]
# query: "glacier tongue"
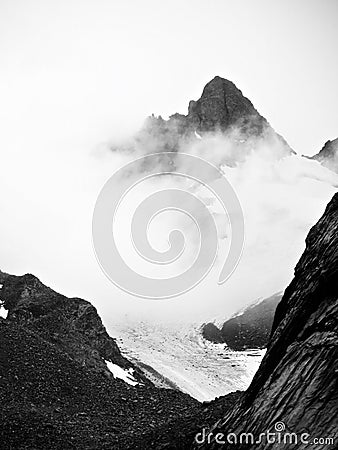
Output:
[[179, 353]]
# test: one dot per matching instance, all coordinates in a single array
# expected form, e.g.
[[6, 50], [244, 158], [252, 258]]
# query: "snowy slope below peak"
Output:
[[198, 367]]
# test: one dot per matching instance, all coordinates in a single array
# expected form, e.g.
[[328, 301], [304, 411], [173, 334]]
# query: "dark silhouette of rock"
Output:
[[212, 333], [250, 329], [328, 155], [297, 381]]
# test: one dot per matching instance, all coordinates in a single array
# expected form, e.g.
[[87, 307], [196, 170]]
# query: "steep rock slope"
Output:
[[250, 329], [297, 380]]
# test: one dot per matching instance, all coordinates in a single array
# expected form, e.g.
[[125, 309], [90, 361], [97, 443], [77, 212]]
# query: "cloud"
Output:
[[281, 196], [49, 196]]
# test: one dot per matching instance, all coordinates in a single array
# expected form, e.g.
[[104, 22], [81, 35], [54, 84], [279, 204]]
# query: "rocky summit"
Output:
[[223, 105], [221, 109], [295, 389]]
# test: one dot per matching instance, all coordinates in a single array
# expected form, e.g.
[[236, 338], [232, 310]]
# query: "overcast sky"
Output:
[[75, 74], [95, 68]]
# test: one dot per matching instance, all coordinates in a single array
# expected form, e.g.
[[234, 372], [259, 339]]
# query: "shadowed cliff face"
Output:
[[297, 380]]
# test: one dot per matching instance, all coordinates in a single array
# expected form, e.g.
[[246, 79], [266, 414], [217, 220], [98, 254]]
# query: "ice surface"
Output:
[[198, 367]]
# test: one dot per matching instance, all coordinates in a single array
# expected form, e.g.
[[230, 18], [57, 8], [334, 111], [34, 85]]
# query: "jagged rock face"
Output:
[[222, 105], [297, 380], [72, 324], [222, 108], [251, 329], [328, 156]]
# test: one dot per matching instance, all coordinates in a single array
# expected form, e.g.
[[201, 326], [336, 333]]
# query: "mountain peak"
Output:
[[221, 108], [223, 105], [220, 82]]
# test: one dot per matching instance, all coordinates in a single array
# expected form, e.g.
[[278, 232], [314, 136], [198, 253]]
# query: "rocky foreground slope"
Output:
[[57, 392], [297, 382]]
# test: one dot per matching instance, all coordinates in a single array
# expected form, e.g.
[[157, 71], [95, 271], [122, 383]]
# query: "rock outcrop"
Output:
[[328, 156], [250, 329], [296, 383], [212, 333], [221, 106]]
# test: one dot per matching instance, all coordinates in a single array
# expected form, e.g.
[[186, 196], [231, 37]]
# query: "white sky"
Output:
[[75, 74], [92, 68]]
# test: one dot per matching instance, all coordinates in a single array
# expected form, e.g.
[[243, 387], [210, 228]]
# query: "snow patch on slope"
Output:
[[3, 311], [125, 375]]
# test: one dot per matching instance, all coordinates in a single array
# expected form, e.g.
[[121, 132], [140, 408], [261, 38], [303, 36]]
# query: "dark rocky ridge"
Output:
[[222, 108], [72, 324], [251, 329], [297, 381], [328, 155]]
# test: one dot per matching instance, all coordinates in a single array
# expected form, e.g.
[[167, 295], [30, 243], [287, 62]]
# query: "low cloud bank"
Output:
[[47, 206]]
